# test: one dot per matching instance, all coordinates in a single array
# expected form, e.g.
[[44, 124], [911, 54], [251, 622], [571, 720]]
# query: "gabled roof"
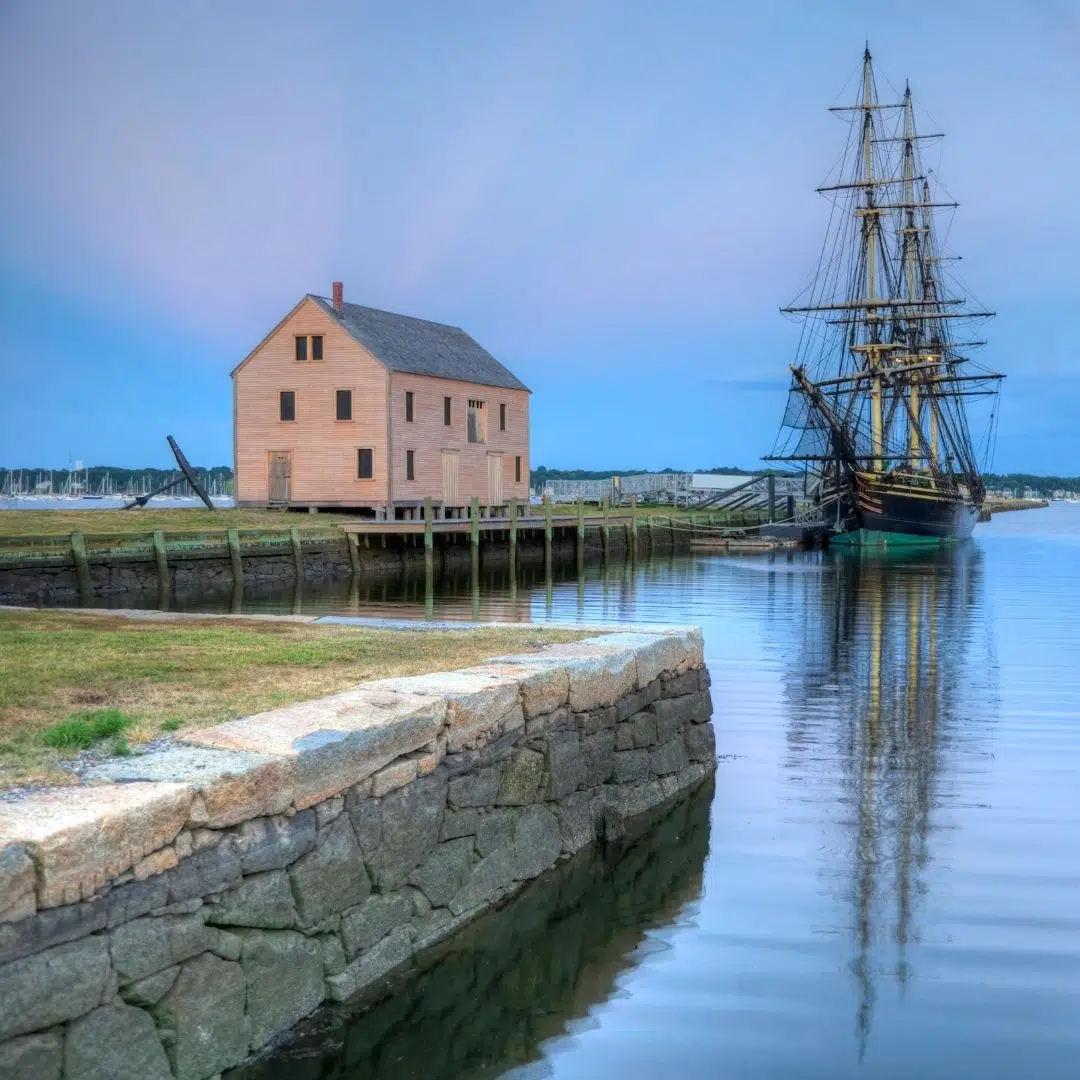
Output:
[[402, 343]]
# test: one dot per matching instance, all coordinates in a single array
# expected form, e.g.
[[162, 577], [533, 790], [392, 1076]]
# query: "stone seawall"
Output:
[[37, 582], [171, 922]]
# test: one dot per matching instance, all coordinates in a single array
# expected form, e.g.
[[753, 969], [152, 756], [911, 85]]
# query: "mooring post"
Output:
[[547, 538], [632, 537], [671, 522], [474, 537], [82, 565], [161, 557], [771, 486], [791, 508], [581, 526], [513, 507], [297, 552], [352, 541], [233, 538], [651, 522], [429, 549], [606, 531]]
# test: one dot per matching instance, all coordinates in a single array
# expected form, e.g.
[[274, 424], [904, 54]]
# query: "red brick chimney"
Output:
[[339, 295]]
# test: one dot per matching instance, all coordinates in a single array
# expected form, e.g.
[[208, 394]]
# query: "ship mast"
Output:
[[871, 223]]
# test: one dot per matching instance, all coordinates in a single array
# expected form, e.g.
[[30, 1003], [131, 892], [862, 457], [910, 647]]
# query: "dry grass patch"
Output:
[[62, 522], [57, 667]]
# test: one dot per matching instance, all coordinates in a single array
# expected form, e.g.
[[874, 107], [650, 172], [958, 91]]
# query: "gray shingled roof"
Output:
[[402, 343]]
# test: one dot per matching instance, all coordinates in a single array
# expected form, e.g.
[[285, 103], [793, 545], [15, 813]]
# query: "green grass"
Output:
[[66, 677], [81, 730], [62, 522]]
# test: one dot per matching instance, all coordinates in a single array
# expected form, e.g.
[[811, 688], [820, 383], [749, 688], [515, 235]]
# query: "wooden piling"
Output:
[[580, 527], [513, 535], [354, 553], [548, 538], [82, 566], [429, 544], [632, 538], [605, 534], [770, 484], [474, 538], [234, 557], [671, 523], [161, 557], [297, 552]]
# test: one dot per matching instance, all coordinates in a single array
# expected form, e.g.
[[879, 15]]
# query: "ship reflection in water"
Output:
[[886, 667]]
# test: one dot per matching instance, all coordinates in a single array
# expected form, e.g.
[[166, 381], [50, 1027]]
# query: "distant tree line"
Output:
[[1044, 485]]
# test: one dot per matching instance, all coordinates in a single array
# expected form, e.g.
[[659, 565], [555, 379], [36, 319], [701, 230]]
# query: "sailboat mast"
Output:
[[910, 249], [870, 228]]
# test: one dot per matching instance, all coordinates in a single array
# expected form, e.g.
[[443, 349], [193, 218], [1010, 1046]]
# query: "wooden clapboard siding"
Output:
[[323, 448], [428, 436]]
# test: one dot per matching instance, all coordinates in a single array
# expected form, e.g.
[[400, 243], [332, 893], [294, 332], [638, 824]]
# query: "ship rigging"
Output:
[[878, 412]]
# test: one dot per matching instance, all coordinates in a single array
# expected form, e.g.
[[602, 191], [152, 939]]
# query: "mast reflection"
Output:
[[883, 680]]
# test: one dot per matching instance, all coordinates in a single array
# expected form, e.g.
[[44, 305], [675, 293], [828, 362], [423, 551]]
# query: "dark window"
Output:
[[287, 406], [517, 470], [365, 464], [301, 348], [502, 417], [446, 411], [316, 347], [344, 404], [410, 464], [409, 405]]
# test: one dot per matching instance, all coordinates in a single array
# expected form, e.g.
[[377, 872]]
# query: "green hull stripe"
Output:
[[879, 538]]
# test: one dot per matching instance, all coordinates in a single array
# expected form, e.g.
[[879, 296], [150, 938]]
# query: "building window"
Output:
[[410, 464], [446, 415], [344, 404], [302, 352], [517, 470], [409, 405], [477, 422], [365, 464], [502, 416], [287, 405]]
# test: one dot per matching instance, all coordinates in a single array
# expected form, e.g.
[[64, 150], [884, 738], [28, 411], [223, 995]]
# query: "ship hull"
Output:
[[908, 520]]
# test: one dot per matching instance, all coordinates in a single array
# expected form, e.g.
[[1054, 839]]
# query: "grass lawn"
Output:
[[50, 522], [69, 680]]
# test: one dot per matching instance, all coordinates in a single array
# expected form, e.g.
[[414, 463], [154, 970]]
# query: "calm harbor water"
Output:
[[885, 882]]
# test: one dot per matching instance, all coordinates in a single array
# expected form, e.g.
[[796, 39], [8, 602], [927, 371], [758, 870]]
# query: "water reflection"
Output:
[[519, 977], [885, 667]]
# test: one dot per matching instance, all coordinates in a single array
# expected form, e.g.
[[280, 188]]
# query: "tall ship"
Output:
[[884, 392]]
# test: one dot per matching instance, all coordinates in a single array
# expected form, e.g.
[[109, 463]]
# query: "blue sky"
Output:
[[613, 197]]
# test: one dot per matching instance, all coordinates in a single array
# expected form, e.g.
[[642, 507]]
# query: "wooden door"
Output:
[[495, 495], [449, 477], [280, 477]]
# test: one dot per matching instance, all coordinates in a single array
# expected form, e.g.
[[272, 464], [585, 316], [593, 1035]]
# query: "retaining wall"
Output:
[[176, 919], [41, 581]]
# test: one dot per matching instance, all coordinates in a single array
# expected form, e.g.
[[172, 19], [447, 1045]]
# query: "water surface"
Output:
[[890, 885]]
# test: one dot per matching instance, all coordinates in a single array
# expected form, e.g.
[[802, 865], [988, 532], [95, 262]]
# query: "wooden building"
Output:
[[351, 407]]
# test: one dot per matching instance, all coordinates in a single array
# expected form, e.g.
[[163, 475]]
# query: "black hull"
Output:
[[894, 517]]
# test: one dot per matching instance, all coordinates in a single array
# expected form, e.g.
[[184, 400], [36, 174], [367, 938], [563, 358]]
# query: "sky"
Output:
[[614, 198]]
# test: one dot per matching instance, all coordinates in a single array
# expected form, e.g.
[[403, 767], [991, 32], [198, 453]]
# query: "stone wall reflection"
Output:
[[486, 1001]]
